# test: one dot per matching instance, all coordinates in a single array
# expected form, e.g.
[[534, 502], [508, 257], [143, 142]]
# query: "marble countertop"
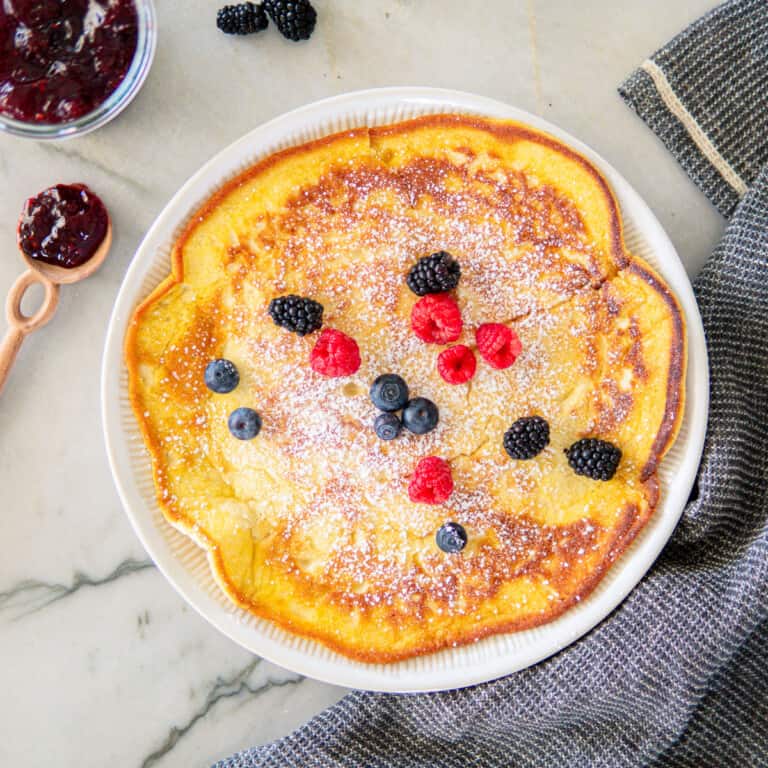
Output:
[[102, 662]]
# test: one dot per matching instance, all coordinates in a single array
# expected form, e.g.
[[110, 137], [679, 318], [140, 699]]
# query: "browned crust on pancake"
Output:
[[177, 261], [673, 412], [632, 521], [510, 131], [625, 533]]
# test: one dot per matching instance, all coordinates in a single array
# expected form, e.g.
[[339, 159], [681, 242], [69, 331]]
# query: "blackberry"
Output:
[[526, 438], [437, 273], [294, 18], [296, 314], [594, 458], [241, 19]]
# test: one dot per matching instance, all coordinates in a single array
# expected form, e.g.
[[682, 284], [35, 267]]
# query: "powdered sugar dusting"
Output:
[[317, 483]]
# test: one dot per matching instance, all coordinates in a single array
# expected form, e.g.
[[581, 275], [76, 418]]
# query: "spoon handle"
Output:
[[9, 348], [19, 325]]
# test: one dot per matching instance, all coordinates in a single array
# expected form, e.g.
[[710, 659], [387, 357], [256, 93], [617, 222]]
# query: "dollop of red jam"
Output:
[[63, 225], [60, 59]]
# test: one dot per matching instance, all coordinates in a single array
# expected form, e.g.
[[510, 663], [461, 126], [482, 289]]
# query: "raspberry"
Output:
[[431, 482], [456, 364], [335, 354], [498, 345], [436, 319]]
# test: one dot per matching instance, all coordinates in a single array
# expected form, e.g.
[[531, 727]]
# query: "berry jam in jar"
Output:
[[63, 225], [61, 59]]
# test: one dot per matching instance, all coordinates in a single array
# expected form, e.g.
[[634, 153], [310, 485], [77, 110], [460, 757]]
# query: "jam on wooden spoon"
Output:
[[63, 225], [64, 235]]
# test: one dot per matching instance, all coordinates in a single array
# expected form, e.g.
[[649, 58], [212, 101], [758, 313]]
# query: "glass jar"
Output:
[[115, 103]]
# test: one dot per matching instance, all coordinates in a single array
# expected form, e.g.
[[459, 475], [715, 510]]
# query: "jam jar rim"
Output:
[[115, 103]]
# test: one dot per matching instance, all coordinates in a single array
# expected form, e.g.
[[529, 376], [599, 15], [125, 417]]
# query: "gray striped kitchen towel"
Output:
[[678, 674]]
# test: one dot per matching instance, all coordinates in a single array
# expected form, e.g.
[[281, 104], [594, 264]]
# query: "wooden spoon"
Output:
[[50, 277]]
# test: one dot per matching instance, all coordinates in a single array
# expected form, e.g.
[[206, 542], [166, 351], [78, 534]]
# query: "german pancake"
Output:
[[310, 522]]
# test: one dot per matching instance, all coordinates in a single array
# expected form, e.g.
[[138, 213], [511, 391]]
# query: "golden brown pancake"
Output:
[[310, 524]]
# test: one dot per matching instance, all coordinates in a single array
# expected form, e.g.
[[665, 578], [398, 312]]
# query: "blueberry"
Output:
[[389, 392], [451, 537], [221, 376], [420, 415], [387, 426], [244, 423]]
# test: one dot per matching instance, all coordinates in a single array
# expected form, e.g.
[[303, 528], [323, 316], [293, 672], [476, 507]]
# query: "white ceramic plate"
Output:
[[185, 565]]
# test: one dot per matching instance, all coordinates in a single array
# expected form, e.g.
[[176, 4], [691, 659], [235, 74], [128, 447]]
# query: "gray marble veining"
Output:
[[32, 595]]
